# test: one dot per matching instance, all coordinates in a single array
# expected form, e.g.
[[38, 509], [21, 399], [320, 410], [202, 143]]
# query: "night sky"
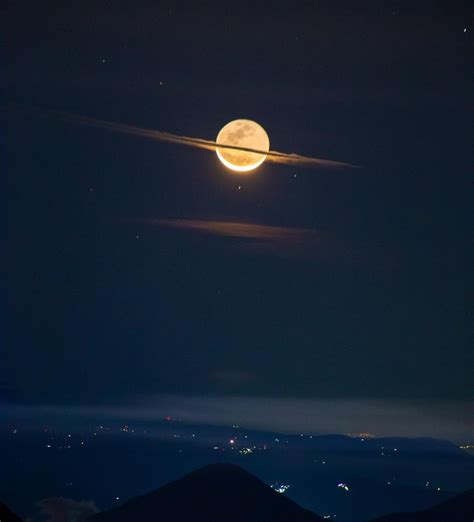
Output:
[[108, 303]]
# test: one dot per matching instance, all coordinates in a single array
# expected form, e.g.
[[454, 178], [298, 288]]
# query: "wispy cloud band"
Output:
[[237, 229], [282, 241]]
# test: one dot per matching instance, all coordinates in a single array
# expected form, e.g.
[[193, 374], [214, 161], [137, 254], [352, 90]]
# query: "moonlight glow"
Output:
[[247, 134]]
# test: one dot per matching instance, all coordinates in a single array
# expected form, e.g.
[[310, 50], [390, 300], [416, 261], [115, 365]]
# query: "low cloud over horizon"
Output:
[[384, 418]]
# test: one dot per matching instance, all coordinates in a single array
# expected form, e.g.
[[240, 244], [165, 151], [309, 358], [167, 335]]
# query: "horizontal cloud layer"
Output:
[[238, 229], [405, 418], [282, 241]]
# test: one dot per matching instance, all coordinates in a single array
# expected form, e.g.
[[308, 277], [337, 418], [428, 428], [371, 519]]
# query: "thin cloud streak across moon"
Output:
[[272, 156]]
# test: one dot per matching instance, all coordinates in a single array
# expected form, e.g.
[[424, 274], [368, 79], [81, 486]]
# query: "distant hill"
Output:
[[215, 493], [6, 515], [457, 509]]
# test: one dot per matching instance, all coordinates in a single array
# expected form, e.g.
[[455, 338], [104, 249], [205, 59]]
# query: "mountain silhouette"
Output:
[[215, 493], [6, 515], [457, 509]]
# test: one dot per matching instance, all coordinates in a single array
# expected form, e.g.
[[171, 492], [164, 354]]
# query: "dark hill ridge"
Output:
[[6, 515], [215, 493], [457, 509], [224, 492]]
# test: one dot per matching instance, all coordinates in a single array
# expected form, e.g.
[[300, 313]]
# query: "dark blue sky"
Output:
[[103, 304]]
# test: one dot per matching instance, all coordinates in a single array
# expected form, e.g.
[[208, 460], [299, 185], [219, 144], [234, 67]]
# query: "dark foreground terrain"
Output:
[[227, 492], [457, 509], [345, 478], [212, 494]]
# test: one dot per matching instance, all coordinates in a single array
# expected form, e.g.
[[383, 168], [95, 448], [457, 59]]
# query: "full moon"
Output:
[[242, 133]]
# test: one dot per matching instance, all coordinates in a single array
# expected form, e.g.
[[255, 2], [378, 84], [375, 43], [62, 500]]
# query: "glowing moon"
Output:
[[242, 133]]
